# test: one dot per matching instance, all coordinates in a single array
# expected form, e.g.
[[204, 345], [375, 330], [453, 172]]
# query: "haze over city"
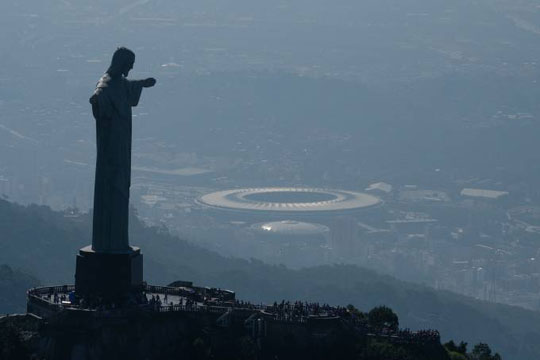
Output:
[[396, 136]]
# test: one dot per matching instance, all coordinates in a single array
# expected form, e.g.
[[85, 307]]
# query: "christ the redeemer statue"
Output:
[[112, 101]]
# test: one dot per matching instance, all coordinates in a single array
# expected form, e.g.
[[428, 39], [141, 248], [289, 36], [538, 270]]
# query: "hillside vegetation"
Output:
[[44, 243]]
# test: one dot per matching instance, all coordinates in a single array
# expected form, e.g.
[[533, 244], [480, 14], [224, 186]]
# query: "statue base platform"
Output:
[[109, 277]]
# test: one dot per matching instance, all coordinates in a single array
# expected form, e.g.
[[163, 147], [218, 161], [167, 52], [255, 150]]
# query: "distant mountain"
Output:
[[13, 286], [44, 242]]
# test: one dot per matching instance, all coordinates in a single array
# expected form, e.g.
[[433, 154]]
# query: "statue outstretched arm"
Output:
[[149, 82], [134, 89]]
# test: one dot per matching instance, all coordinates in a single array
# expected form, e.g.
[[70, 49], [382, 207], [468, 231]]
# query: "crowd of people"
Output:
[[421, 336], [300, 311], [297, 311], [57, 299], [156, 302]]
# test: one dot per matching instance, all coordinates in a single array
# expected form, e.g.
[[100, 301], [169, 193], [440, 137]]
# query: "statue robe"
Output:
[[111, 105]]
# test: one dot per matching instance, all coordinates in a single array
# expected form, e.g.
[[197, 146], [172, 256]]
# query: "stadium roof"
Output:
[[276, 200]]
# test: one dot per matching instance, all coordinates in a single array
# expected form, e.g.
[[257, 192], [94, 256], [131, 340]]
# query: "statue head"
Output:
[[122, 62]]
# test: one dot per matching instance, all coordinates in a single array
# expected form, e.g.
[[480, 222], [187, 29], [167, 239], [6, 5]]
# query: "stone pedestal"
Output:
[[111, 277]]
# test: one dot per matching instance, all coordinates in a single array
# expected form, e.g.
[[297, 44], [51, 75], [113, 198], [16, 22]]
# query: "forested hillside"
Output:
[[13, 286], [44, 243]]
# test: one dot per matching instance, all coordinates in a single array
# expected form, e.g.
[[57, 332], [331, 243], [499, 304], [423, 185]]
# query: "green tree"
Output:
[[354, 311], [482, 351], [382, 317], [452, 347], [462, 348]]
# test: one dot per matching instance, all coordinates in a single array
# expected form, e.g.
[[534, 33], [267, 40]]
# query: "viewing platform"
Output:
[[219, 305]]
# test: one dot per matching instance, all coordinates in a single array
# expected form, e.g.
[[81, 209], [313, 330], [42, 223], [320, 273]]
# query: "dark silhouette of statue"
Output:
[[112, 101]]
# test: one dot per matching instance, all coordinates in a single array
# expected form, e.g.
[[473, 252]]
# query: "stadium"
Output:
[[297, 227], [289, 201]]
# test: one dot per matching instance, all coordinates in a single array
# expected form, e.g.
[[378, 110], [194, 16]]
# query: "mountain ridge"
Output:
[[510, 330]]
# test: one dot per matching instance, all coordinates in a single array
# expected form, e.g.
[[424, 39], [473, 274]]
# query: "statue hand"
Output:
[[149, 82]]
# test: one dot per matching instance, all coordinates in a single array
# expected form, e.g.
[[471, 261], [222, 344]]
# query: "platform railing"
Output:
[[45, 290], [40, 306]]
